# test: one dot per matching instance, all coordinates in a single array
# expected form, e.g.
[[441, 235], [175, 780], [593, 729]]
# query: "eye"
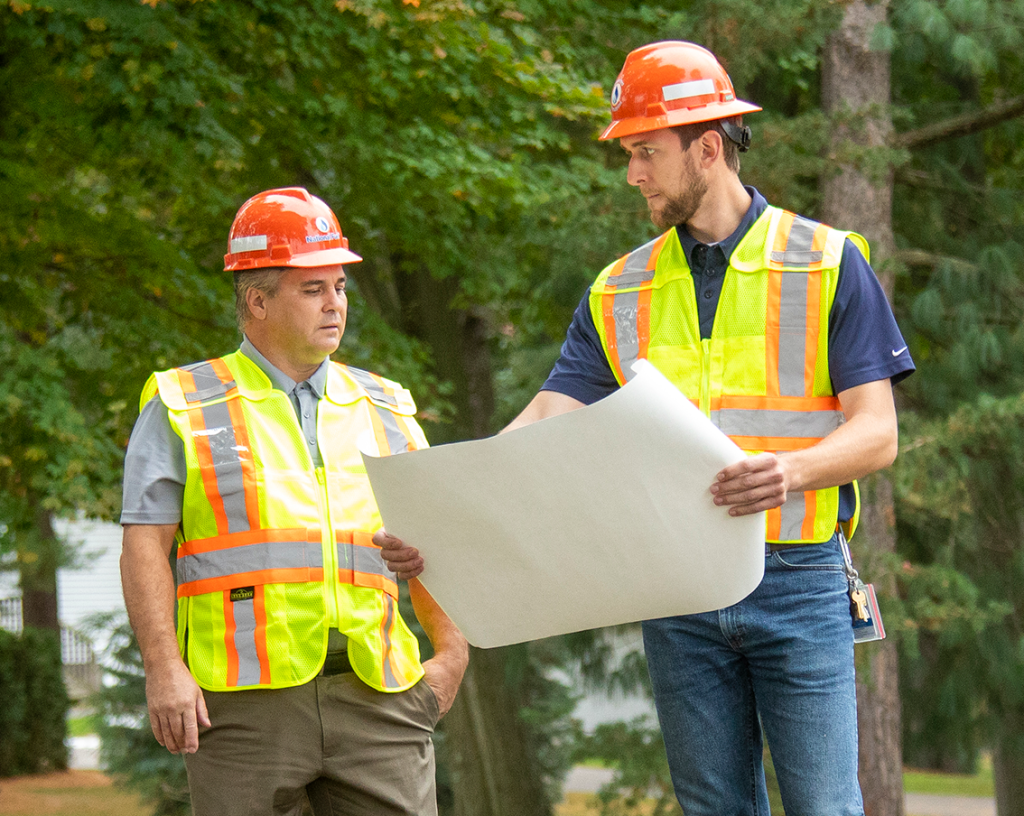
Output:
[[648, 151]]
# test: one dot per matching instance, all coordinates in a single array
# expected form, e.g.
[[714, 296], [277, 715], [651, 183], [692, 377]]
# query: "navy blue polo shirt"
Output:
[[864, 342]]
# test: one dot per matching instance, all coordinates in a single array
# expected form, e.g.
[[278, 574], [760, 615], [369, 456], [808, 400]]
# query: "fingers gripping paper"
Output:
[[594, 518]]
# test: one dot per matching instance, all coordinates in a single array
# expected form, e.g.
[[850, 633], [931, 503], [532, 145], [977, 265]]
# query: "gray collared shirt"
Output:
[[305, 396], [154, 465]]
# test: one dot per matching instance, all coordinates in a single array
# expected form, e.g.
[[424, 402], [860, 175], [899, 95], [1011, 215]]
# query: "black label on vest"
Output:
[[243, 594]]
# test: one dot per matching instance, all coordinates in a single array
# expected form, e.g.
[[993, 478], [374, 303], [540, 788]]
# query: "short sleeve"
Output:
[[864, 342], [582, 371], [154, 470]]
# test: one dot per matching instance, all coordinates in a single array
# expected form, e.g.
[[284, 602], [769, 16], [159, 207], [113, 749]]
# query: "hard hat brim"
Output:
[[674, 118], [327, 257]]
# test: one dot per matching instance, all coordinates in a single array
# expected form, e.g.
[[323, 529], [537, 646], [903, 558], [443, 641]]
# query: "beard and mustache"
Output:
[[681, 208]]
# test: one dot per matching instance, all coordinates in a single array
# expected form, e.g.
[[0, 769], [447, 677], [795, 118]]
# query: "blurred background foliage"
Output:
[[456, 141]]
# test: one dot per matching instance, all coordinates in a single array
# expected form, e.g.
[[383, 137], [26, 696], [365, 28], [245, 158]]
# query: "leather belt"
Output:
[[336, 663], [772, 548]]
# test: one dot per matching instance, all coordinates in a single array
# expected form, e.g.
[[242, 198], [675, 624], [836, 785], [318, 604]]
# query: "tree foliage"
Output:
[[456, 140]]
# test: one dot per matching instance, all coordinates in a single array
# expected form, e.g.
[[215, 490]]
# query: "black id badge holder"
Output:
[[867, 620]]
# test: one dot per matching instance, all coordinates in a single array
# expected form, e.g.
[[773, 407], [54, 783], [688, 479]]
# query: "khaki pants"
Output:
[[354, 751]]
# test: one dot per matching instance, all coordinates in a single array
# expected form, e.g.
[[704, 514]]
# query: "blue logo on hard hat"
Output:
[[322, 224], [617, 94]]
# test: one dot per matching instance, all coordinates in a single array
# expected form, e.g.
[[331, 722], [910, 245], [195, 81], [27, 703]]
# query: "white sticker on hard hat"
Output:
[[322, 224], [248, 243], [617, 94], [686, 90]]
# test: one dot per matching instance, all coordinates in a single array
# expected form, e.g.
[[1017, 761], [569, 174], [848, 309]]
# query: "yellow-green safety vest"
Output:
[[763, 375], [272, 551]]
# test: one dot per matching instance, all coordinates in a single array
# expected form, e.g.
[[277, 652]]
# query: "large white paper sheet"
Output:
[[594, 518]]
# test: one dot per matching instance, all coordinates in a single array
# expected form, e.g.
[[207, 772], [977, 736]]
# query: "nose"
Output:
[[635, 174], [336, 301]]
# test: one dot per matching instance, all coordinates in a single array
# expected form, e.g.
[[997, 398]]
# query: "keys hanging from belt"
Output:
[[865, 615]]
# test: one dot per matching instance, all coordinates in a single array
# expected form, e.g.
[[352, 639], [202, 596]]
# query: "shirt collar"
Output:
[[281, 381], [758, 205]]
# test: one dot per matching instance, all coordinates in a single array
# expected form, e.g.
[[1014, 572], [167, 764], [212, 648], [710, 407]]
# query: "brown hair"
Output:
[[266, 280], [730, 150]]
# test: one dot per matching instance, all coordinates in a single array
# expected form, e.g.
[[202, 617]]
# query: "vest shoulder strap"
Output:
[[633, 270], [784, 241], [194, 385], [346, 384]]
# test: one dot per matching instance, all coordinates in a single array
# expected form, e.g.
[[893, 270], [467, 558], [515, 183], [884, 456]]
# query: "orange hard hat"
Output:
[[671, 83], [286, 227]]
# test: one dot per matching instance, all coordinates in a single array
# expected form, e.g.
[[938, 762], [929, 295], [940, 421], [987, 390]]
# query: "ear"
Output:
[[709, 148], [257, 303]]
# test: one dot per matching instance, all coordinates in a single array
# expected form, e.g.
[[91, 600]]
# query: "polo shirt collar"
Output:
[[281, 381], [758, 205]]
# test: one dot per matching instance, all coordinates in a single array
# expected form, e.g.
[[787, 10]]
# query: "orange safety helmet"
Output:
[[286, 227], [671, 83]]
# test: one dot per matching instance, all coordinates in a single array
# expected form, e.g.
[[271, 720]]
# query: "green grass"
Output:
[[81, 726], [979, 784], [914, 781]]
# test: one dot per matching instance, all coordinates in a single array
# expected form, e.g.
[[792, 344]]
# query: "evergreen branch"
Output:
[[928, 181], [962, 125], [921, 257], [920, 442]]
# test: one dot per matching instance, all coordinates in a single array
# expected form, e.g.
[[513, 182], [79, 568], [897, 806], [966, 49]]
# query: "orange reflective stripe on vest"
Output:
[[245, 637], [222, 445], [793, 299], [627, 315], [360, 562], [278, 557], [390, 436], [238, 559]]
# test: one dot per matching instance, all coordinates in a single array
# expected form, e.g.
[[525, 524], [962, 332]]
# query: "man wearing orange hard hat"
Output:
[[288, 674], [775, 326]]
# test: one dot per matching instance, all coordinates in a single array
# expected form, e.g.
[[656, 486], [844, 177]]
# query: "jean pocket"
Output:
[[825, 556]]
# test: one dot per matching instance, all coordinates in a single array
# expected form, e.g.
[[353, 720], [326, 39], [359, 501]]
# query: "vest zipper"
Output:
[[705, 378], [330, 551]]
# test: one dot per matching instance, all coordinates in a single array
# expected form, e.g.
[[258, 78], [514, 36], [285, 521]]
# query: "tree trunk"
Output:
[[38, 579], [855, 91], [1008, 764], [488, 748]]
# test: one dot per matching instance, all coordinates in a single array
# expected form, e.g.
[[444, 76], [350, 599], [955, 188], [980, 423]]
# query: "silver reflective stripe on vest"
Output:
[[626, 306], [249, 558], [363, 559], [208, 384], [398, 442], [625, 313], [371, 386], [389, 617], [792, 517], [634, 271], [793, 333], [226, 450], [785, 424], [245, 642], [798, 251]]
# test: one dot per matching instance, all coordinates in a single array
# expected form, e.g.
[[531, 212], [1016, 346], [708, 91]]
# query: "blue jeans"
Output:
[[782, 660]]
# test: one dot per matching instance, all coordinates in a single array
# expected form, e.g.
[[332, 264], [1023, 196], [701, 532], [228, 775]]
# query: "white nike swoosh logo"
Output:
[[898, 352]]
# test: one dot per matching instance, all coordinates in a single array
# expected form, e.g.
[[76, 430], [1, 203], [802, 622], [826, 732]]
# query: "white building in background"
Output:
[[90, 586], [93, 585]]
